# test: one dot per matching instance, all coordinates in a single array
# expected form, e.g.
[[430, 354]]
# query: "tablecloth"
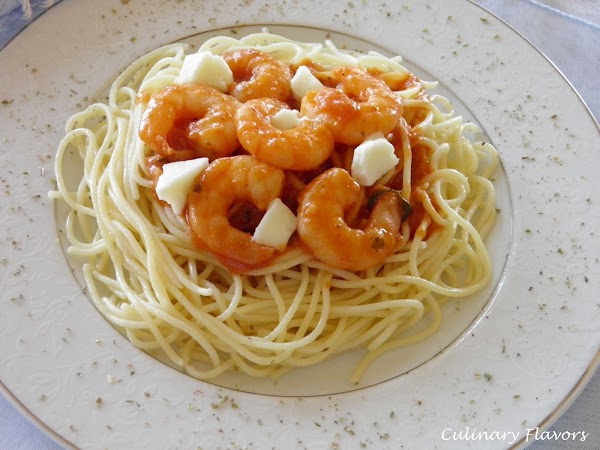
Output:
[[566, 31]]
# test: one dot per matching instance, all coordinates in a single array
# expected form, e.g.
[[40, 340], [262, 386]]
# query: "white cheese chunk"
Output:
[[175, 182], [372, 159], [276, 227], [303, 82], [286, 119], [206, 68]]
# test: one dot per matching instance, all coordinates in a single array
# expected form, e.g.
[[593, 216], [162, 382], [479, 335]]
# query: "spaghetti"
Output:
[[171, 297]]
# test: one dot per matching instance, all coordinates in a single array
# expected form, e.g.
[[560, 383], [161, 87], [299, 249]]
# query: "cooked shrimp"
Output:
[[360, 105], [322, 227], [224, 182], [192, 121], [258, 74], [303, 147]]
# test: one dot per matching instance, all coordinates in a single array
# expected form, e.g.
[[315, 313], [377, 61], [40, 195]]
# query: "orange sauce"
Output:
[[245, 217], [420, 168], [395, 80]]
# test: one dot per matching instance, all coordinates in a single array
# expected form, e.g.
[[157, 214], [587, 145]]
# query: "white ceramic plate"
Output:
[[511, 359]]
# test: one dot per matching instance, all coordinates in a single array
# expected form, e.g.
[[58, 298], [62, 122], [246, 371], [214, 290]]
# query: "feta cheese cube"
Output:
[[303, 82], [206, 68], [286, 119], [175, 182], [276, 227], [372, 159]]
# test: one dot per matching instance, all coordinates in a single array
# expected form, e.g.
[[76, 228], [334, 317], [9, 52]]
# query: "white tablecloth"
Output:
[[566, 31]]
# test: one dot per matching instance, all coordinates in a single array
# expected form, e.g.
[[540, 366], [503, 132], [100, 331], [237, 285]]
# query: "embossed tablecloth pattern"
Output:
[[567, 32]]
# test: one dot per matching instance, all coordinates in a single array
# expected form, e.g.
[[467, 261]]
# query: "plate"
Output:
[[522, 353]]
